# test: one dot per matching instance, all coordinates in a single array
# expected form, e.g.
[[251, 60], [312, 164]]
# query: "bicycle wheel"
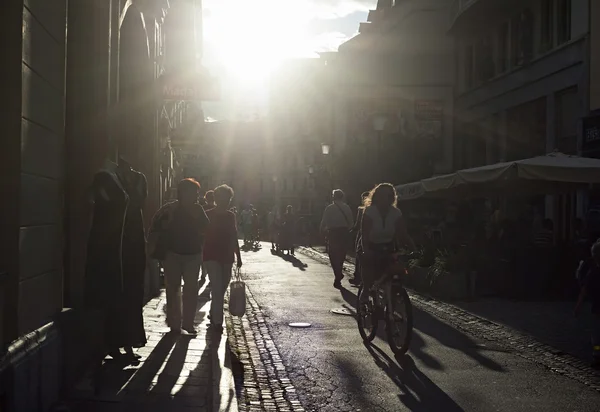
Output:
[[366, 317], [399, 321]]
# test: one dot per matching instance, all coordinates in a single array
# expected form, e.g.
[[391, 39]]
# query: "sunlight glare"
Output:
[[252, 37]]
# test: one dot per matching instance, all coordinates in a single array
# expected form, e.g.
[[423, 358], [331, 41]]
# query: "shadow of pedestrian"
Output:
[[251, 247], [114, 377], [143, 379], [442, 332], [297, 263], [207, 370], [420, 394]]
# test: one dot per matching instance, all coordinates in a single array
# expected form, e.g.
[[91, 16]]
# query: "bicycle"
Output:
[[389, 301]]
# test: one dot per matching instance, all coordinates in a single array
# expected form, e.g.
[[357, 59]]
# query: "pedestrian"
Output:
[[246, 218], [591, 288], [220, 248], [271, 227], [383, 228], [183, 223], [288, 229], [358, 241], [209, 200], [336, 223]]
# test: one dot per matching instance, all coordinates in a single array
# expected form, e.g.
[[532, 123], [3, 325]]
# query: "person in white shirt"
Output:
[[336, 223], [383, 229]]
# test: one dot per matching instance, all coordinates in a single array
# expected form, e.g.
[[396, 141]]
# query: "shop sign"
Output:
[[591, 134], [201, 88], [429, 110]]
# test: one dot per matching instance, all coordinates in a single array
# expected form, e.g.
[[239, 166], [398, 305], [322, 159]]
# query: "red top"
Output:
[[220, 237]]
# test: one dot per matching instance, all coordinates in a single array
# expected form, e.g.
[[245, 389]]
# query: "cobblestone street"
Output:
[[457, 361]]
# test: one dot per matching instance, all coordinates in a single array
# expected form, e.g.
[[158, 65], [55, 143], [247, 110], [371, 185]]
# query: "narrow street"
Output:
[[445, 370]]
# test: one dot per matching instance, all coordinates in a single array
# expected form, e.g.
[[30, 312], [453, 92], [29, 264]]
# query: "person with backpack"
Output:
[[337, 222], [589, 279]]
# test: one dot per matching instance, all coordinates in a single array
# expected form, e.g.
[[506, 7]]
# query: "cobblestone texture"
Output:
[[264, 384], [518, 343]]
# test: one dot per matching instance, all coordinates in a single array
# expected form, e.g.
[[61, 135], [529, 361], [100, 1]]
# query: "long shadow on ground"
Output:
[[420, 394], [438, 330]]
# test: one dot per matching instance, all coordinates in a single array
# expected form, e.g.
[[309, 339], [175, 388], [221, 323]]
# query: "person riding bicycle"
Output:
[[383, 229]]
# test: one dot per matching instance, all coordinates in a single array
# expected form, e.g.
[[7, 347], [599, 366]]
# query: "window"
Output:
[[547, 34], [468, 63], [523, 37], [485, 59], [504, 47], [567, 115], [563, 18]]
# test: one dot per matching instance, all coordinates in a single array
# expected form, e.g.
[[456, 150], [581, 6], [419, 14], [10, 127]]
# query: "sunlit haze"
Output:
[[244, 41]]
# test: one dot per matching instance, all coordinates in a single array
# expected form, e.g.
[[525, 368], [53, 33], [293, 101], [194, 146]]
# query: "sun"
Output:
[[252, 37]]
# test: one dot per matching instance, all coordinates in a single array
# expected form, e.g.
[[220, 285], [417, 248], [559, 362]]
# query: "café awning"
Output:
[[552, 173]]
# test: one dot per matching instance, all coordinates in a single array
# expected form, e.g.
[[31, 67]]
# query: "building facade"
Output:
[[71, 100], [522, 84], [394, 94]]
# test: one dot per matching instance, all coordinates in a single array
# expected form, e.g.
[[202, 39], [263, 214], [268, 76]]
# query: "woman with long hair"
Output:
[[220, 247], [383, 229]]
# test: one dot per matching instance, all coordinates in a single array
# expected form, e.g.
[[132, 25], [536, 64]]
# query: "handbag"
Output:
[[237, 295]]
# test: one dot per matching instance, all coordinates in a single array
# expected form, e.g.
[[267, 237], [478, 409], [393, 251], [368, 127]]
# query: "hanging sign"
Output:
[[190, 88]]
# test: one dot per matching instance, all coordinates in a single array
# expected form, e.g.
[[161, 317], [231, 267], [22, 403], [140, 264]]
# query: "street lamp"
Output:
[[325, 148]]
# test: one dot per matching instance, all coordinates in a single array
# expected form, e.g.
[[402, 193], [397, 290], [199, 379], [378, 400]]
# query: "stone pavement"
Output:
[[527, 341], [550, 322], [176, 373]]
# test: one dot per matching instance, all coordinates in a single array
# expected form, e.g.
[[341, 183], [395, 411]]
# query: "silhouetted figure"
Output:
[[183, 224], [116, 256], [337, 222], [220, 248]]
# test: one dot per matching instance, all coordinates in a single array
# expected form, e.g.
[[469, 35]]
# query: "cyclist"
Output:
[[382, 229]]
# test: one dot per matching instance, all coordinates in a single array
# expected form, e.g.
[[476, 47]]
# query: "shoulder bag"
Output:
[[237, 294]]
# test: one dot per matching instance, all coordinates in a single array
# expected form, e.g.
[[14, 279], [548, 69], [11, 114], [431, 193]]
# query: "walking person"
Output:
[[288, 230], [357, 279], [183, 224], [590, 288], [336, 223], [220, 248]]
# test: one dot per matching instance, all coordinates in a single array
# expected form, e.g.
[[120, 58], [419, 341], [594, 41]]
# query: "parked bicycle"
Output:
[[389, 301]]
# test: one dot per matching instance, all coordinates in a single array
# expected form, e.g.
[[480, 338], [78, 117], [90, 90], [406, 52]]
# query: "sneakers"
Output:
[[189, 331], [355, 281]]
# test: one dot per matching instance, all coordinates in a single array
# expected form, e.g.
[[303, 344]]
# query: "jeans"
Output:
[[178, 267], [338, 239], [219, 275]]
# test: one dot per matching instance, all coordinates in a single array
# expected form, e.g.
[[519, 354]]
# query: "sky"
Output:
[[244, 40]]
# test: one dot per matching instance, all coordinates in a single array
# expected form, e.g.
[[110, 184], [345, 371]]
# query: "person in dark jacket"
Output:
[[182, 224]]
